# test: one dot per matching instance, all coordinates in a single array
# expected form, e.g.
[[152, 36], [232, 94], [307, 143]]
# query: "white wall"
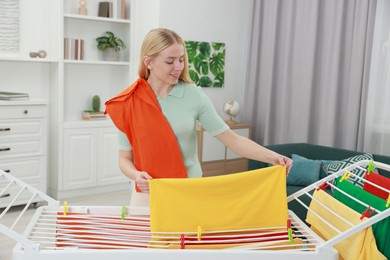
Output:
[[227, 21]]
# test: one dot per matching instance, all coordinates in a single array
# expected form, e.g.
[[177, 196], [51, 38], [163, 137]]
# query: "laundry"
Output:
[[381, 228], [360, 246], [127, 111], [378, 180], [246, 200]]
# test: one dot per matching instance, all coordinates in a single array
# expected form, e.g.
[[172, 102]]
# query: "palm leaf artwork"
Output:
[[206, 63]]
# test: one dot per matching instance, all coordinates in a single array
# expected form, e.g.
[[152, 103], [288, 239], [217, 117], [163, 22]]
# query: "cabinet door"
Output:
[[80, 158], [35, 26], [108, 168]]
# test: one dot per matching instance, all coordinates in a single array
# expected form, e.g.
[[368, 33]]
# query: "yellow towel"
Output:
[[251, 199], [358, 246]]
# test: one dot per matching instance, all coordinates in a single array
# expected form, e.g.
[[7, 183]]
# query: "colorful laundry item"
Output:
[[379, 180], [380, 229], [284, 245], [252, 199], [137, 113], [361, 245]]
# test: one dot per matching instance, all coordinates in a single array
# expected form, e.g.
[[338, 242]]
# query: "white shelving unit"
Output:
[[24, 124], [84, 154]]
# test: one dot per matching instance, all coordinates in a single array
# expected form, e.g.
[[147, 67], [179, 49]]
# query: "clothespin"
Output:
[[182, 242], [345, 176], [370, 168], [123, 212], [65, 208], [388, 201], [367, 213], [323, 186], [199, 233], [289, 230]]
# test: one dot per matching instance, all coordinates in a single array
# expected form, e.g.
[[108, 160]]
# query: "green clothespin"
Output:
[[370, 168], [123, 212]]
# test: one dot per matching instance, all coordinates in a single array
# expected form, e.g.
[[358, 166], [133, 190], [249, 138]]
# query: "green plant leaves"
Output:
[[110, 41], [206, 63]]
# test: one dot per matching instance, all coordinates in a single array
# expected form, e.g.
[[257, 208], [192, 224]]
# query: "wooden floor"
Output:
[[109, 199]]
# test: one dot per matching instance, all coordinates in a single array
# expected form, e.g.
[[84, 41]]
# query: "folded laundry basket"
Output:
[[100, 232]]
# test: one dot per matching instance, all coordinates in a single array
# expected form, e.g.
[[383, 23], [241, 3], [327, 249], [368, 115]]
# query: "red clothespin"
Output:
[[323, 186], [290, 233], [367, 213], [370, 168], [182, 242]]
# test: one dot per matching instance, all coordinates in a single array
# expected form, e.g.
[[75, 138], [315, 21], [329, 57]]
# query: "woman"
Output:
[[157, 116]]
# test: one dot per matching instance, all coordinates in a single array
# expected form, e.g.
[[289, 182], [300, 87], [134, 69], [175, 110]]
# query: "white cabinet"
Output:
[[80, 158], [90, 161], [215, 158], [35, 27], [91, 157], [85, 153], [23, 145]]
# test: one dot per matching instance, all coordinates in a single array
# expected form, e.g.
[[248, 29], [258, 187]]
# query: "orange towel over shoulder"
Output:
[[137, 113]]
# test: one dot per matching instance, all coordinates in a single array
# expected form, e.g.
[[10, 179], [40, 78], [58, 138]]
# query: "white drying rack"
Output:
[[100, 232]]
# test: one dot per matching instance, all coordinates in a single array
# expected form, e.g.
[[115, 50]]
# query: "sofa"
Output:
[[309, 154]]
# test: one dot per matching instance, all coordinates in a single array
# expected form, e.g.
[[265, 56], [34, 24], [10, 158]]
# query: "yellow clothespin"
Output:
[[65, 207], [199, 233], [345, 176], [388, 201]]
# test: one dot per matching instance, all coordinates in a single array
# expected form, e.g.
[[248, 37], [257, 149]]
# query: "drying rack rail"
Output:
[[62, 231]]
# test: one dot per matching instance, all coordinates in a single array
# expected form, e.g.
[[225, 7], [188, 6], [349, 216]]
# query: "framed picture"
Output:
[[206, 63]]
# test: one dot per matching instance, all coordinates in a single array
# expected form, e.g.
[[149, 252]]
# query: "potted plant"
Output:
[[111, 45]]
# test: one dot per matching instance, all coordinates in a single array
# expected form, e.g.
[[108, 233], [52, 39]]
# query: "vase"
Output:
[[110, 54]]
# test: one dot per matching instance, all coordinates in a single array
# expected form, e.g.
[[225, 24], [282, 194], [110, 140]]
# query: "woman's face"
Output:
[[167, 66]]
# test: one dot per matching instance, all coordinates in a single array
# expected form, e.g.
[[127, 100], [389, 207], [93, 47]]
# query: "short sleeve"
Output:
[[123, 142], [209, 118]]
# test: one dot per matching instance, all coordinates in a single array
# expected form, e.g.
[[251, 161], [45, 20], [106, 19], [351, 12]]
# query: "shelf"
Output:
[[117, 63], [87, 124], [44, 60], [31, 101], [96, 18]]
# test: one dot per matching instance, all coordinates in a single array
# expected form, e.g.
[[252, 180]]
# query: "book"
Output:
[[92, 115], [123, 9], [4, 95], [73, 49], [104, 9]]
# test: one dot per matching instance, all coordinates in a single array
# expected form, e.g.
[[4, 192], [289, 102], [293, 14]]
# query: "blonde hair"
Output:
[[156, 41]]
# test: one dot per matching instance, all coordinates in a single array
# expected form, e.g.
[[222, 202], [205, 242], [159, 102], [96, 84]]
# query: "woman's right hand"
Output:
[[142, 181]]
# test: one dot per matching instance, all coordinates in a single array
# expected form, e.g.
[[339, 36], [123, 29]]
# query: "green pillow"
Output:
[[304, 171]]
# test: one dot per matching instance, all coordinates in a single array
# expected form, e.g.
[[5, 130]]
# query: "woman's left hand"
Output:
[[284, 160]]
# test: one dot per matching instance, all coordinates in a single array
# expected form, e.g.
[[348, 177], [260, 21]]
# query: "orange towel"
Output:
[[252, 199], [137, 113]]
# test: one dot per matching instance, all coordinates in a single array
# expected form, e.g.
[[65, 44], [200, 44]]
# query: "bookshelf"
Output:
[[84, 152]]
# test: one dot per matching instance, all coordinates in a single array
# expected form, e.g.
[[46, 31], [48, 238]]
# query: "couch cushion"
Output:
[[338, 165], [304, 171]]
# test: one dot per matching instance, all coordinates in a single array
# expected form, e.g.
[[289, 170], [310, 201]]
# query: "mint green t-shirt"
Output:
[[185, 105]]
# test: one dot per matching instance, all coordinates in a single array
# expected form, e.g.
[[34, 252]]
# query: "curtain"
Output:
[[377, 127], [307, 71]]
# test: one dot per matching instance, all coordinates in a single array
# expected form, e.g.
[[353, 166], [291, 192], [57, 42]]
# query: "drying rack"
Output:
[[58, 232]]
